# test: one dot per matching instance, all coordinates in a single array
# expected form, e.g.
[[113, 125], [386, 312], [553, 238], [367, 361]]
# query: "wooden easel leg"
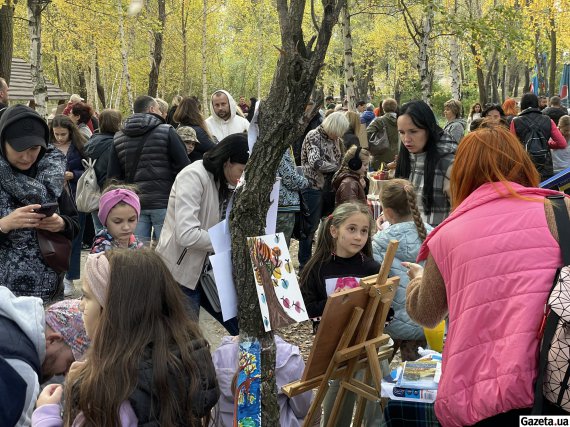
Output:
[[361, 403], [337, 405], [316, 404]]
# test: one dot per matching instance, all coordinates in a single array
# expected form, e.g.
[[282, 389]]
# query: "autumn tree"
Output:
[[281, 122], [6, 38]]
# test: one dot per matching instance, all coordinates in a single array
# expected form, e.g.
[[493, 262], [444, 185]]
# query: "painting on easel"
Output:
[[278, 291]]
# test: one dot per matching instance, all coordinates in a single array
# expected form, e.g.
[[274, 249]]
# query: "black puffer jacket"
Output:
[[161, 158], [144, 401]]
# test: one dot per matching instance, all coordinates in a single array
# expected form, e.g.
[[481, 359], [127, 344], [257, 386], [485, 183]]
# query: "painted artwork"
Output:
[[247, 404], [278, 291], [338, 284]]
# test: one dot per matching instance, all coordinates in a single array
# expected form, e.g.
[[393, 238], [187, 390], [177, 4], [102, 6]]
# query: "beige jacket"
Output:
[[193, 207]]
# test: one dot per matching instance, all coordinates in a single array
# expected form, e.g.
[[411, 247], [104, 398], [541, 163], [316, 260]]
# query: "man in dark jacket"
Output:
[[556, 110], [531, 121], [384, 124], [148, 153]]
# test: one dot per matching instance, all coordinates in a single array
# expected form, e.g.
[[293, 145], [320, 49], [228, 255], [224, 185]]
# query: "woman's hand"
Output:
[[414, 270], [53, 223], [50, 395], [68, 175], [24, 217]]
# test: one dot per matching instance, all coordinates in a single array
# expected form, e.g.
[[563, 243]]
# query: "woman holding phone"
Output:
[[31, 178]]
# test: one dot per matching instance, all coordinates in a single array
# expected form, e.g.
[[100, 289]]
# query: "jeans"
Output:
[[96, 223], [74, 271], [150, 218], [312, 199], [197, 299]]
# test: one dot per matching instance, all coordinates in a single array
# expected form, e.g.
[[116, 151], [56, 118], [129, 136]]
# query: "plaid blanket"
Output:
[[400, 413]]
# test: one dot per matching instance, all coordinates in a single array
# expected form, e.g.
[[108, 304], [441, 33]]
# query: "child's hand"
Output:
[[50, 395], [414, 270]]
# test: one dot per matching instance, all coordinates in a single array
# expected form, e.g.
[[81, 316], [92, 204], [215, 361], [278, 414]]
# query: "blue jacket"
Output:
[[401, 327], [291, 183]]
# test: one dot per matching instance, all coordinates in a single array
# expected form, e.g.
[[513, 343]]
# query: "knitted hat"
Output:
[[187, 134], [111, 198], [98, 272], [65, 318]]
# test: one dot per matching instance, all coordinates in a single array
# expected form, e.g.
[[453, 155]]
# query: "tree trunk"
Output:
[[504, 82], [100, 88], [184, 30], [6, 39], [423, 59], [157, 51], [552, 88], [526, 86], [93, 80], [454, 65], [348, 60], [35, 8], [205, 100], [124, 56], [281, 123], [480, 75]]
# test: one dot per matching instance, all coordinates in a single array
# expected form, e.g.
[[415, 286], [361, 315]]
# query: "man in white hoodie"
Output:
[[34, 346], [224, 121]]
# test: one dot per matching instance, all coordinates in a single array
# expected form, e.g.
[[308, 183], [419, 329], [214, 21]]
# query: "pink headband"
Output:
[[97, 270], [110, 199]]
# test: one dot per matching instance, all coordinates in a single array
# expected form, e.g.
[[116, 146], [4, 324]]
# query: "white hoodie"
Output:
[[222, 128], [28, 313]]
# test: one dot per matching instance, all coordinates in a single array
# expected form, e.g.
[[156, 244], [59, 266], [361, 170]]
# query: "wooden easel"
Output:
[[360, 313]]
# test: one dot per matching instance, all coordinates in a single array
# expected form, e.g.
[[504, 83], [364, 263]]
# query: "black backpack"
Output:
[[535, 143]]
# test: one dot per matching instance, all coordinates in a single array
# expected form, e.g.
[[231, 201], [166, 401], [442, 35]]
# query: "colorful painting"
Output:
[[278, 291], [247, 405], [338, 284]]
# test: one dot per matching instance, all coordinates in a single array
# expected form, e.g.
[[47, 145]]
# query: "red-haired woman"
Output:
[[510, 109], [490, 267]]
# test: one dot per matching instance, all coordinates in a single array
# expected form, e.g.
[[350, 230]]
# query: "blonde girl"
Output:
[[398, 200]]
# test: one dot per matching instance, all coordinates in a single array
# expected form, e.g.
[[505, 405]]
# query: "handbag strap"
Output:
[[133, 171], [563, 227]]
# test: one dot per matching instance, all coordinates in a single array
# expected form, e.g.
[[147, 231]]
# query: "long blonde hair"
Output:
[[400, 196]]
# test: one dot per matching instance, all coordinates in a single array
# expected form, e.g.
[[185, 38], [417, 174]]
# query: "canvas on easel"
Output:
[[350, 337]]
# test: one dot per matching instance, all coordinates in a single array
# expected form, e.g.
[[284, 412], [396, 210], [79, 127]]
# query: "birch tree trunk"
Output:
[[157, 51], [281, 123], [348, 60], [184, 32], [35, 8], [423, 60], [124, 56], [6, 39], [552, 88], [205, 100], [454, 65]]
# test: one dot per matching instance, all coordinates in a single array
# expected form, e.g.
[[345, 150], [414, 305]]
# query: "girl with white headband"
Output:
[[119, 211], [148, 362]]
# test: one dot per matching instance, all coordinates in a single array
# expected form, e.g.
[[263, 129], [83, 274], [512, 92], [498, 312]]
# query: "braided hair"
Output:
[[400, 196]]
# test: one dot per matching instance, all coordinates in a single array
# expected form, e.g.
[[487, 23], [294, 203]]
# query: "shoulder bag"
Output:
[[55, 249], [208, 282]]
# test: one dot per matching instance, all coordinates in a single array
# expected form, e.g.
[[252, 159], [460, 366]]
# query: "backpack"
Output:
[[378, 141], [554, 365], [88, 191], [536, 145]]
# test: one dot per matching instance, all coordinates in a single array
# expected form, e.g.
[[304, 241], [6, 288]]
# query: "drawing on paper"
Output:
[[278, 291], [247, 403]]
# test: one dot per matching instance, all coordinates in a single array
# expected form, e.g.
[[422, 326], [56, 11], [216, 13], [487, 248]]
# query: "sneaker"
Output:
[[69, 287]]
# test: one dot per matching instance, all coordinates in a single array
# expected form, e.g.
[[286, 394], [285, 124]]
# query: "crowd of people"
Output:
[[462, 200]]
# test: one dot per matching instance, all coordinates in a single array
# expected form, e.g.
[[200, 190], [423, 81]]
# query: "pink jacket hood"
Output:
[[498, 259]]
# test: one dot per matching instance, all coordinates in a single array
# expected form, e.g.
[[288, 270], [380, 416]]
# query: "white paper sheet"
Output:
[[222, 267], [220, 237], [271, 219]]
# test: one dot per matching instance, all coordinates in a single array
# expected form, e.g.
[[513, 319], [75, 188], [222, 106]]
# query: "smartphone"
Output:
[[48, 209]]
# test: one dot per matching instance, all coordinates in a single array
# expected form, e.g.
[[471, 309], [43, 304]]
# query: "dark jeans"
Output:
[[312, 199], [74, 271], [197, 299]]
